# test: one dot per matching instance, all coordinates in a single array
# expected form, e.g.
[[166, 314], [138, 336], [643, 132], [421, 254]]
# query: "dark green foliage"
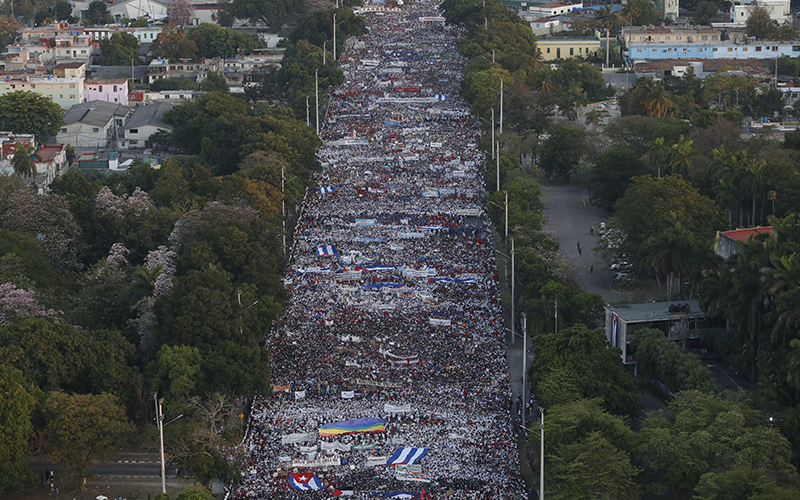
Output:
[[612, 173], [596, 366]]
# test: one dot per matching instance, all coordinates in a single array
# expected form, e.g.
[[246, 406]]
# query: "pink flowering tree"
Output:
[[18, 302], [181, 12], [158, 270], [48, 219]]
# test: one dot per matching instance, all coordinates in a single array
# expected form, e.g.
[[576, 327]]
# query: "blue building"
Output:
[[649, 50]]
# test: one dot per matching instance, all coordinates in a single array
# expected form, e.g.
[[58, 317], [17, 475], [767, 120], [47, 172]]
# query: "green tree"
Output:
[[174, 372], [702, 434], [761, 25], [657, 153], [119, 50], [27, 112], [214, 41], [705, 13], [173, 44], [594, 118], [82, 426], [274, 13], [606, 18], [62, 10], [581, 440], [16, 405], [214, 82], [648, 199], [22, 161], [576, 349], [562, 151], [9, 30], [96, 12], [612, 172]]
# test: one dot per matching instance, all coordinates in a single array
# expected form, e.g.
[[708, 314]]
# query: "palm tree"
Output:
[[630, 11], [607, 18], [657, 153], [595, 117], [726, 196], [682, 154], [752, 182], [22, 161]]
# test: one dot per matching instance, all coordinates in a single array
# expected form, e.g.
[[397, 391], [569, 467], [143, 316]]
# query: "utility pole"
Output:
[[493, 151], [283, 208], [513, 338], [506, 205], [524, 368], [324, 51], [498, 165], [308, 120], [501, 106], [160, 421], [334, 36], [541, 456], [316, 96]]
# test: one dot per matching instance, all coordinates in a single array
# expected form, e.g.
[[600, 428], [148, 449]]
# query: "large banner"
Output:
[[411, 473], [299, 438], [320, 462], [387, 408], [334, 446], [375, 461]]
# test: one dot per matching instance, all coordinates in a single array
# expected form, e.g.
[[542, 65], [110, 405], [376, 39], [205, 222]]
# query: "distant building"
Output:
[[728, 242], [53, 161], [553, 9], [682, 322], [157, 69], [146, 120], [115, 90], [146, 34], [70, 70], [562, 48], [682, 49], [93, 124], [779, 10], [134, 9], [65, 92], [670, 34], [10, 140]]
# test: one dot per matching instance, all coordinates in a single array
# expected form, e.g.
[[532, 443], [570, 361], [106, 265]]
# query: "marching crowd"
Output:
[[395, 307]]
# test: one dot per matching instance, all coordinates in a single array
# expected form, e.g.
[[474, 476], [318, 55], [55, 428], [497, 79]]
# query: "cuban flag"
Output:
[[327, 250], [325, 190], [305, 482], [441, 97], [407, 456]]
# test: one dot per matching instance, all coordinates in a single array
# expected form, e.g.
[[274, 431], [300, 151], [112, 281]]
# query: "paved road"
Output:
[[570, 217], [125, 468]]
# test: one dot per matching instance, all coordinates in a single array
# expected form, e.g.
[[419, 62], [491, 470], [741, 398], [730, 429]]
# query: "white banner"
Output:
[[308, 449], [299, 438], [298, 395], [439, 322], [387, 408], [374, 461], [320, 462], [407, 473], [334, 446], [348, 394]]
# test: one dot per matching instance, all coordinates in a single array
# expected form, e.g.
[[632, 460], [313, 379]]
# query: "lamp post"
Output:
[[541, 455], [524, 367], [512, 287], [316, 97], [334, 36], [308, 120], [161, 425], [324, 51], [498, 166]]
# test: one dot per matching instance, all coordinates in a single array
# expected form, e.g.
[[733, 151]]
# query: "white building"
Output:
[[134, 9], [146, 121], [65, 92], [147, 34], [93, 124], [553, 9], [115, 90], [779, 10]]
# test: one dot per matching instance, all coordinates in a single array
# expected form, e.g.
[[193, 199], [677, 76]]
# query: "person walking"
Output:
[[591, 269], [591, 230]]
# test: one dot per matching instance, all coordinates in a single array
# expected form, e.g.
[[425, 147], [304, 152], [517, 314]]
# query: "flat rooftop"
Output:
[[655, 311]]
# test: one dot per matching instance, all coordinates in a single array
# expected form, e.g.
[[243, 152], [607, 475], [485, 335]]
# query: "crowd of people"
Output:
[[395, 307]]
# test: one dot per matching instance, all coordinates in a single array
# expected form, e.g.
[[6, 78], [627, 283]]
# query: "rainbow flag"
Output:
[[351, 426]]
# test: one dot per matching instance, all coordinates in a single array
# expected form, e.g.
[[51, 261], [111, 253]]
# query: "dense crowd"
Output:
[[395, 306]]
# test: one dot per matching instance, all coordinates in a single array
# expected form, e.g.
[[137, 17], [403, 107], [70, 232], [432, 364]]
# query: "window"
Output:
[[666, 38], [678, 37], [758, 49], [101, 88], [72, 85], [64, 129], [638, 50], [713, 37], [548, 50], [744, 49], [134, 131], [704, 37], [60, 96], [715, 49], [133, 142], [72, 96], [115, 88], [775, 49], [95, 129], [33, 86], [730, 49], [571, 51]]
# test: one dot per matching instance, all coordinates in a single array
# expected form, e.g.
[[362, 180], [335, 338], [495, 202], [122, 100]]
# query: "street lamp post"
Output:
[[541, 455], [501, 107], [308, 116], [512, 287], [498, 165], [524, 367], [160, 421], [334, 36], [316, 97]]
